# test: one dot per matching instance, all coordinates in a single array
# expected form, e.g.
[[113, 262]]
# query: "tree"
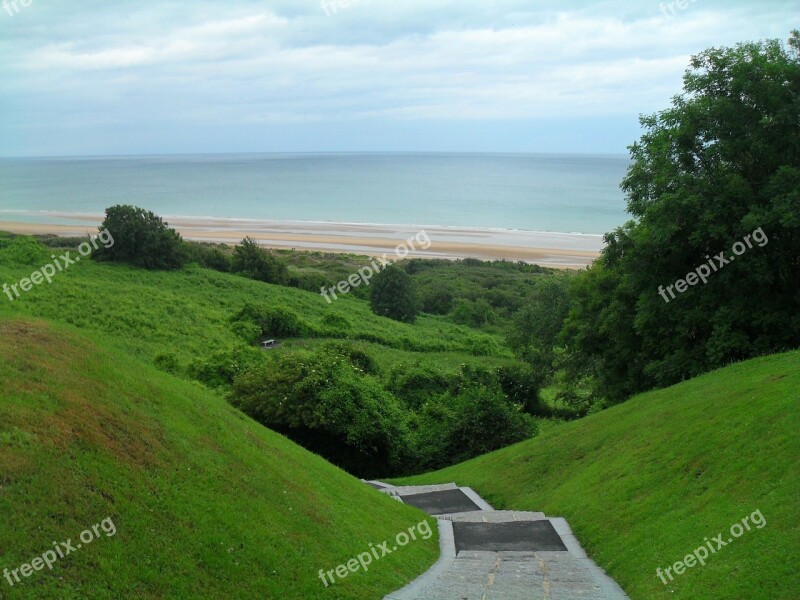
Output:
[[535, 327], [142, 239], [721, 163], [252, 261], [393, 295], [326, 402]]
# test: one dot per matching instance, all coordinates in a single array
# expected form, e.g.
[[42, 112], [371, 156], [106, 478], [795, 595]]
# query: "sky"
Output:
[[93, 78]]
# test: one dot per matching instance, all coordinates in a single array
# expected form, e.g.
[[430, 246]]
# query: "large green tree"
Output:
[[141, 238], [393, 295], [722, 162]]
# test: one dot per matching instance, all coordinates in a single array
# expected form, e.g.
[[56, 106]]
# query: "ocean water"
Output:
[[561, 193]]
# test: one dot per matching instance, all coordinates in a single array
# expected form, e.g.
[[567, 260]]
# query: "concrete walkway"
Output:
[[489, 554]]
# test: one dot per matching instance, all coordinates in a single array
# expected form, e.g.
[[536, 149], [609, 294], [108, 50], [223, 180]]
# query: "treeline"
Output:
[[335, 401], [721, 163]]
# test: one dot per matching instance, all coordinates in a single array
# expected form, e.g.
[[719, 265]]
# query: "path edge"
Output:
[[447, 556]]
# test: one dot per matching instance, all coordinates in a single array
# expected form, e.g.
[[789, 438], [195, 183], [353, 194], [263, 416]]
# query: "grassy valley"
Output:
[[206, 503], [644, 483]]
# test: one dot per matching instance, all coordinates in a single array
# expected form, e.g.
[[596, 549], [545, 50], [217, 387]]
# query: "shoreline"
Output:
[[549, 249]]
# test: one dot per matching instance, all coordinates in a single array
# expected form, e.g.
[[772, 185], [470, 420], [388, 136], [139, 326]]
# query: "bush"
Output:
[[436, 299], [23, 250], [416, 385], [325, 403], [252, 261], [167, 362], [221, 368], [477, 420], [521, 385], [360, 359], [208, 256], [336, 325], [474, 314], [393, 295], [141, 239], [272, 321]]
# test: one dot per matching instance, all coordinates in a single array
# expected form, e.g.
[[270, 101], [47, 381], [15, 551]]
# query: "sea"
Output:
[[566, 193]]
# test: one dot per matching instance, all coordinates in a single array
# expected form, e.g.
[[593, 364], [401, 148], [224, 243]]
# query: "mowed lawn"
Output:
[[643, 484]]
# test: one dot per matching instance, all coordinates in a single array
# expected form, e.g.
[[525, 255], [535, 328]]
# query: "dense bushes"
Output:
[[470, 420], [336, 402], [270, 321], [393, 295], [328, 403], [141, 239], [436, 299], [251, 260], [23, 250], [210, 256]]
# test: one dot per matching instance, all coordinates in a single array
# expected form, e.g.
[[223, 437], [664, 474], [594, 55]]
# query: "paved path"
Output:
[[489, 554]]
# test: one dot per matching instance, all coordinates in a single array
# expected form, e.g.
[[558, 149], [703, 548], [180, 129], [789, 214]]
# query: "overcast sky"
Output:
[[135, 77]]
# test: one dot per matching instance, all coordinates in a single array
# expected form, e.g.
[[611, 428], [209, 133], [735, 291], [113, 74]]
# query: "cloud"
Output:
[[415, 62]]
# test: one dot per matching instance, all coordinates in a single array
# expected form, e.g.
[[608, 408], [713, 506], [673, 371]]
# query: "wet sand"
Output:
[[561, 250]]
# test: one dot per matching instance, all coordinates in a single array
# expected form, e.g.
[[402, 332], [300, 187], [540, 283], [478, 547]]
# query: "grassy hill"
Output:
[[205, 502], [188, 311], [644, 483]]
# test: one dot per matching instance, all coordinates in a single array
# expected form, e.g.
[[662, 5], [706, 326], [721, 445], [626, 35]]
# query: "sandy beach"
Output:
[[562, 250]]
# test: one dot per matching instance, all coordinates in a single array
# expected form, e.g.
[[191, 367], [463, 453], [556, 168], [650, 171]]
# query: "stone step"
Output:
[[514, 575], [410, 490], [494, 516]]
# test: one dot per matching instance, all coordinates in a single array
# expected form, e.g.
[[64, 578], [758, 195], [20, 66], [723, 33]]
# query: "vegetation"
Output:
[[205, 325], [141, 239], [235, 510], [393, 295], [435, 363], [252, 261], [721, 163], [644, 482]]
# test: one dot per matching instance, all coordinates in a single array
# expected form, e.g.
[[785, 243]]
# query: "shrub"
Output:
[[436, 299], [328, 405], [141, 239], [521, 385], [392, 295], [208, 256], [221, 368], [252, 261], [272, 321], [474, 314], [167, 362], [336, 324], [416, 385], [458, 426], [24, 250]]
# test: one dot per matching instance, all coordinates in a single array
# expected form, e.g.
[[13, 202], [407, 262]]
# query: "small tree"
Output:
[[393, 295], [251, 260], [142, 239]]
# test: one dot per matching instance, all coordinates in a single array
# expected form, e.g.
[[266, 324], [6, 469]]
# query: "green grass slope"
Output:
[[206, 503], [186, 313], [644, 483]]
